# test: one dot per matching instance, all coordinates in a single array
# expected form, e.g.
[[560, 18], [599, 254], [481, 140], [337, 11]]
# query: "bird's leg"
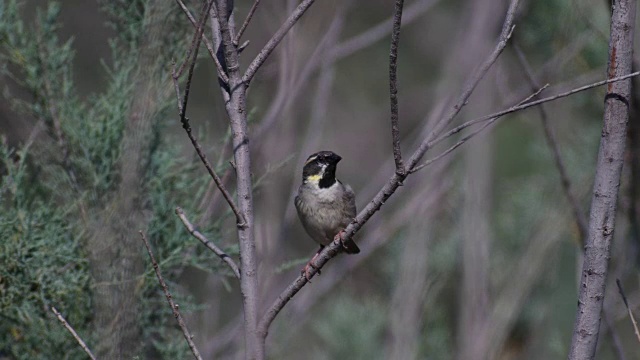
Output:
[[339, 237], [306, 268]]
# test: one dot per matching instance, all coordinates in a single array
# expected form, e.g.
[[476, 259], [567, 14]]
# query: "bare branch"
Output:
[[208, 44], [392, 185], [469, 136], [379, 31], [626, 304], [246, 22], [606, 185], [275, 40], [182, 108], [236, 107], [203, 239], [579, 216], [393, 87], [528, 105], [172, 304], [73, 332]]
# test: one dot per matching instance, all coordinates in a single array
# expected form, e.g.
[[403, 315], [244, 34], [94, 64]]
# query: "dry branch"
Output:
[[393, 87], [392, 185], [246, 22], [236, 107], [626, 304], [606, 185], [182, 109], [172, 304], [275, 40], [73, 332], [208, 44], [210, 245]]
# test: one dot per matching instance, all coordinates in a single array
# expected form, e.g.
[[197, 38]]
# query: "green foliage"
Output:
[[43, 265], [47, 198]]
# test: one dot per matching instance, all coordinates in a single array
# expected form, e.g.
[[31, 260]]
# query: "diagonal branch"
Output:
[[221, 74], [73, 332], [172, 304], [626, 304], [236, 40], [331, 250], [203, 239], [275, 40], [182, 108], [469, 136], [393, 86], [516, 108], [581, 219]]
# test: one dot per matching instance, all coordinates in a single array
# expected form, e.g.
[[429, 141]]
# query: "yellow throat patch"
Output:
[[314, 178]]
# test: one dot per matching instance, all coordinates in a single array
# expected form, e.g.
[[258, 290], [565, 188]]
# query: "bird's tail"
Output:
[[350, 247]]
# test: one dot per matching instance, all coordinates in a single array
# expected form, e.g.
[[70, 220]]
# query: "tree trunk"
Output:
[[607, 182]]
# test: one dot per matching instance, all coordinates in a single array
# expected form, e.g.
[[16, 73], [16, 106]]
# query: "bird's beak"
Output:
[[336, 158]]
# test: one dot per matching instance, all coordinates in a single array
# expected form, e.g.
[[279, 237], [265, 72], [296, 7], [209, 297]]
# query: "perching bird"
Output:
[[325, 206]]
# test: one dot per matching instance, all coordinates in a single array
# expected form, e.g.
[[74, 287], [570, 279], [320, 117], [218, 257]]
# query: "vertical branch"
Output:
[[393, 86], [606, 185], [235, 103]]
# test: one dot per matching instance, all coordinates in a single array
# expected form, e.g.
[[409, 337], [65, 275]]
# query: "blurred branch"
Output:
[[606, 185], [246, 22], [393, 87], [326, 53], [220, 69], [182, 109], [581, 219], [468, 136], [392, 185], [626, 304], [74, 333], [275, 40], [379, 31], [172, 304], [516, 108], [203, 239]]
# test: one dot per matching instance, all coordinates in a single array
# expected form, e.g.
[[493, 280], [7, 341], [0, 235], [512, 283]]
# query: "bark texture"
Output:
[[606, 185]]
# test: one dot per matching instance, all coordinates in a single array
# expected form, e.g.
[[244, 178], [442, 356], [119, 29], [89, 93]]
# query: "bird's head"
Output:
[[320, 168]]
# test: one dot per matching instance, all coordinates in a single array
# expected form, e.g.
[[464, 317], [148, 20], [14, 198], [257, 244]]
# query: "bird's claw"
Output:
[[306, 271]]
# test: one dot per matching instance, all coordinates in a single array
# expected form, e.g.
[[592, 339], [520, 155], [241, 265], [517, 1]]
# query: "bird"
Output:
[[325, 205]]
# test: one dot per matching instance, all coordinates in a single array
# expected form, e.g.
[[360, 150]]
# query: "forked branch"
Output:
[[392, 185]]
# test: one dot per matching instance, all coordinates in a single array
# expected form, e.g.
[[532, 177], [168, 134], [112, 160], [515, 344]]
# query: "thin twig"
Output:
[[182, 108], [581, 219], [203, 239], [626, 304], [530, 104], [74, 333], [331, 250], [246, 22], [172, 304], [221, 74], [469, 136], [275, 40], [393, 87]]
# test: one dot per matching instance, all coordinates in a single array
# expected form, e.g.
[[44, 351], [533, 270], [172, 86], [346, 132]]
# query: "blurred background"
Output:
[[476, 257]]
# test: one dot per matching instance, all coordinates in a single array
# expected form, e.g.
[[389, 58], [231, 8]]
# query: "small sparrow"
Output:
[[325, 205]]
